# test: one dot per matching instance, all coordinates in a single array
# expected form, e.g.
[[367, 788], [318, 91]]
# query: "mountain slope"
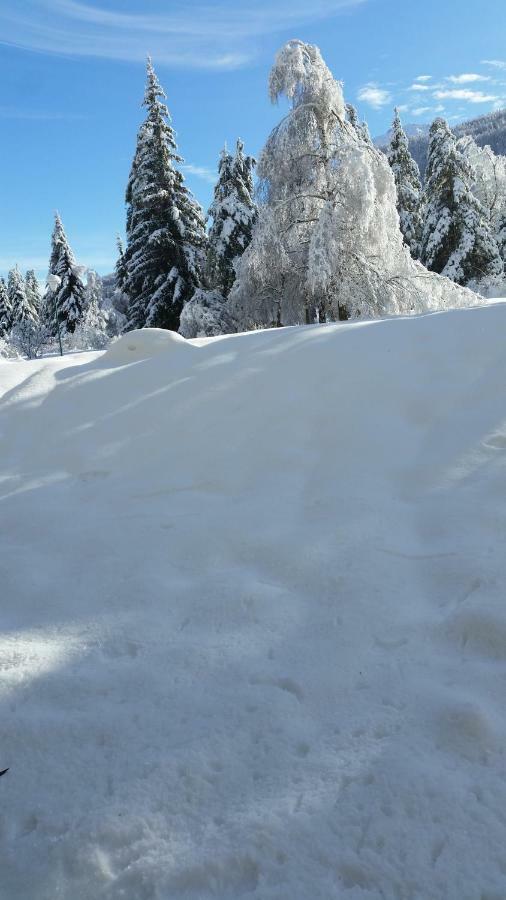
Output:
[[488, 129], [254, 638]]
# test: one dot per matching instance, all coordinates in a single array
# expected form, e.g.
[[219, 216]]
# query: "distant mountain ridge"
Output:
[[488, 129]]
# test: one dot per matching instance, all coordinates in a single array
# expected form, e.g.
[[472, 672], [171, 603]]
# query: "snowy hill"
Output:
[[254, 634]]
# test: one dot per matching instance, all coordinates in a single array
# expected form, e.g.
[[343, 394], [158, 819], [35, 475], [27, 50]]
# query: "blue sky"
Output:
[[73, 78]]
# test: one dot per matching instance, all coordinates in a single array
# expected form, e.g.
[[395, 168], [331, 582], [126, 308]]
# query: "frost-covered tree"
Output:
[[206, 315], [33, 292], [408, 186], [65, 304], [501, 236], [5, 309], [21, 307], [166, 236], [457, 239], [30, 337], [488, 178], [327, 244]]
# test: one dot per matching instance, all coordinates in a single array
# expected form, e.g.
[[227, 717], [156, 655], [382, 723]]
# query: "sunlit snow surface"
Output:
[[254, 616]]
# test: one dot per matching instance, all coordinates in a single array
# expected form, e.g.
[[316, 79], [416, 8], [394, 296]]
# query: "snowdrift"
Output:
[[253, 623]]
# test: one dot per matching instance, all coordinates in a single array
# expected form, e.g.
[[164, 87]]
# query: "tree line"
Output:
[[333, 229]]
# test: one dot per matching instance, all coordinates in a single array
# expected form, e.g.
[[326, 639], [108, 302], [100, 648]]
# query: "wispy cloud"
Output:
[[423, 77], [200, 172], [182, 35], [374, 95], [468, 96], [467, 78], [419, 87], [495, 63]]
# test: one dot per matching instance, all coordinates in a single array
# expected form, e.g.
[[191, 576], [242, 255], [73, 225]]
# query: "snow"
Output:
[[253, 626], [144, 343]]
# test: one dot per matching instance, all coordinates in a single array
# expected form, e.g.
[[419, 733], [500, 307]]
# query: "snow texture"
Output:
[[253, 627]]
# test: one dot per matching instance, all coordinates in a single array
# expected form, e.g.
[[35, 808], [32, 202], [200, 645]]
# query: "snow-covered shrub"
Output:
[[206, 315], [30, 338]]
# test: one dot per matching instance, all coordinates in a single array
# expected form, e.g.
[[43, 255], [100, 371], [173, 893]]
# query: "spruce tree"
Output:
[[234, 213], [21, 308], [166, 236], [120, 269], [33, 293], [66, 303], [457, 240], [5, 309], [408, 185], [361, 128]]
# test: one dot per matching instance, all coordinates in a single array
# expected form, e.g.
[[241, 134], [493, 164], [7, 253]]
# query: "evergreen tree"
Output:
[[33, 293], [94, 315], [457, 240], [21, 308], [120, 268], [361, 128], [166, 236], [5, 309], [408, 185], [66, 303], [233, 212]]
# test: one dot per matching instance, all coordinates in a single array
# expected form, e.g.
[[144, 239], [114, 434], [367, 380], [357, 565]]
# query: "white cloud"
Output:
[[421, 110], [373, 95], [423, 77], [220, 34], [496, 63], [467, 78], [462, 94], [200, 172], [420, 87]]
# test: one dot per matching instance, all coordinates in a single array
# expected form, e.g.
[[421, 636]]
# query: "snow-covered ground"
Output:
[[253, 616]]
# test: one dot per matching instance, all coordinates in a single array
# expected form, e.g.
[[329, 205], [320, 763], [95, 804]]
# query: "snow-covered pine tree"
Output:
[[166, 237], [5, 309], [457, 239], [33, 292], [93, 315], [120, 269], [65, 305], [408, 186], [21, 308], [361, 128], [91, 333], [233, 212]]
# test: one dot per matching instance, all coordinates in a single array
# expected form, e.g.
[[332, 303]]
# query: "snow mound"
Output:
[[253, 624], [143, 344]]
